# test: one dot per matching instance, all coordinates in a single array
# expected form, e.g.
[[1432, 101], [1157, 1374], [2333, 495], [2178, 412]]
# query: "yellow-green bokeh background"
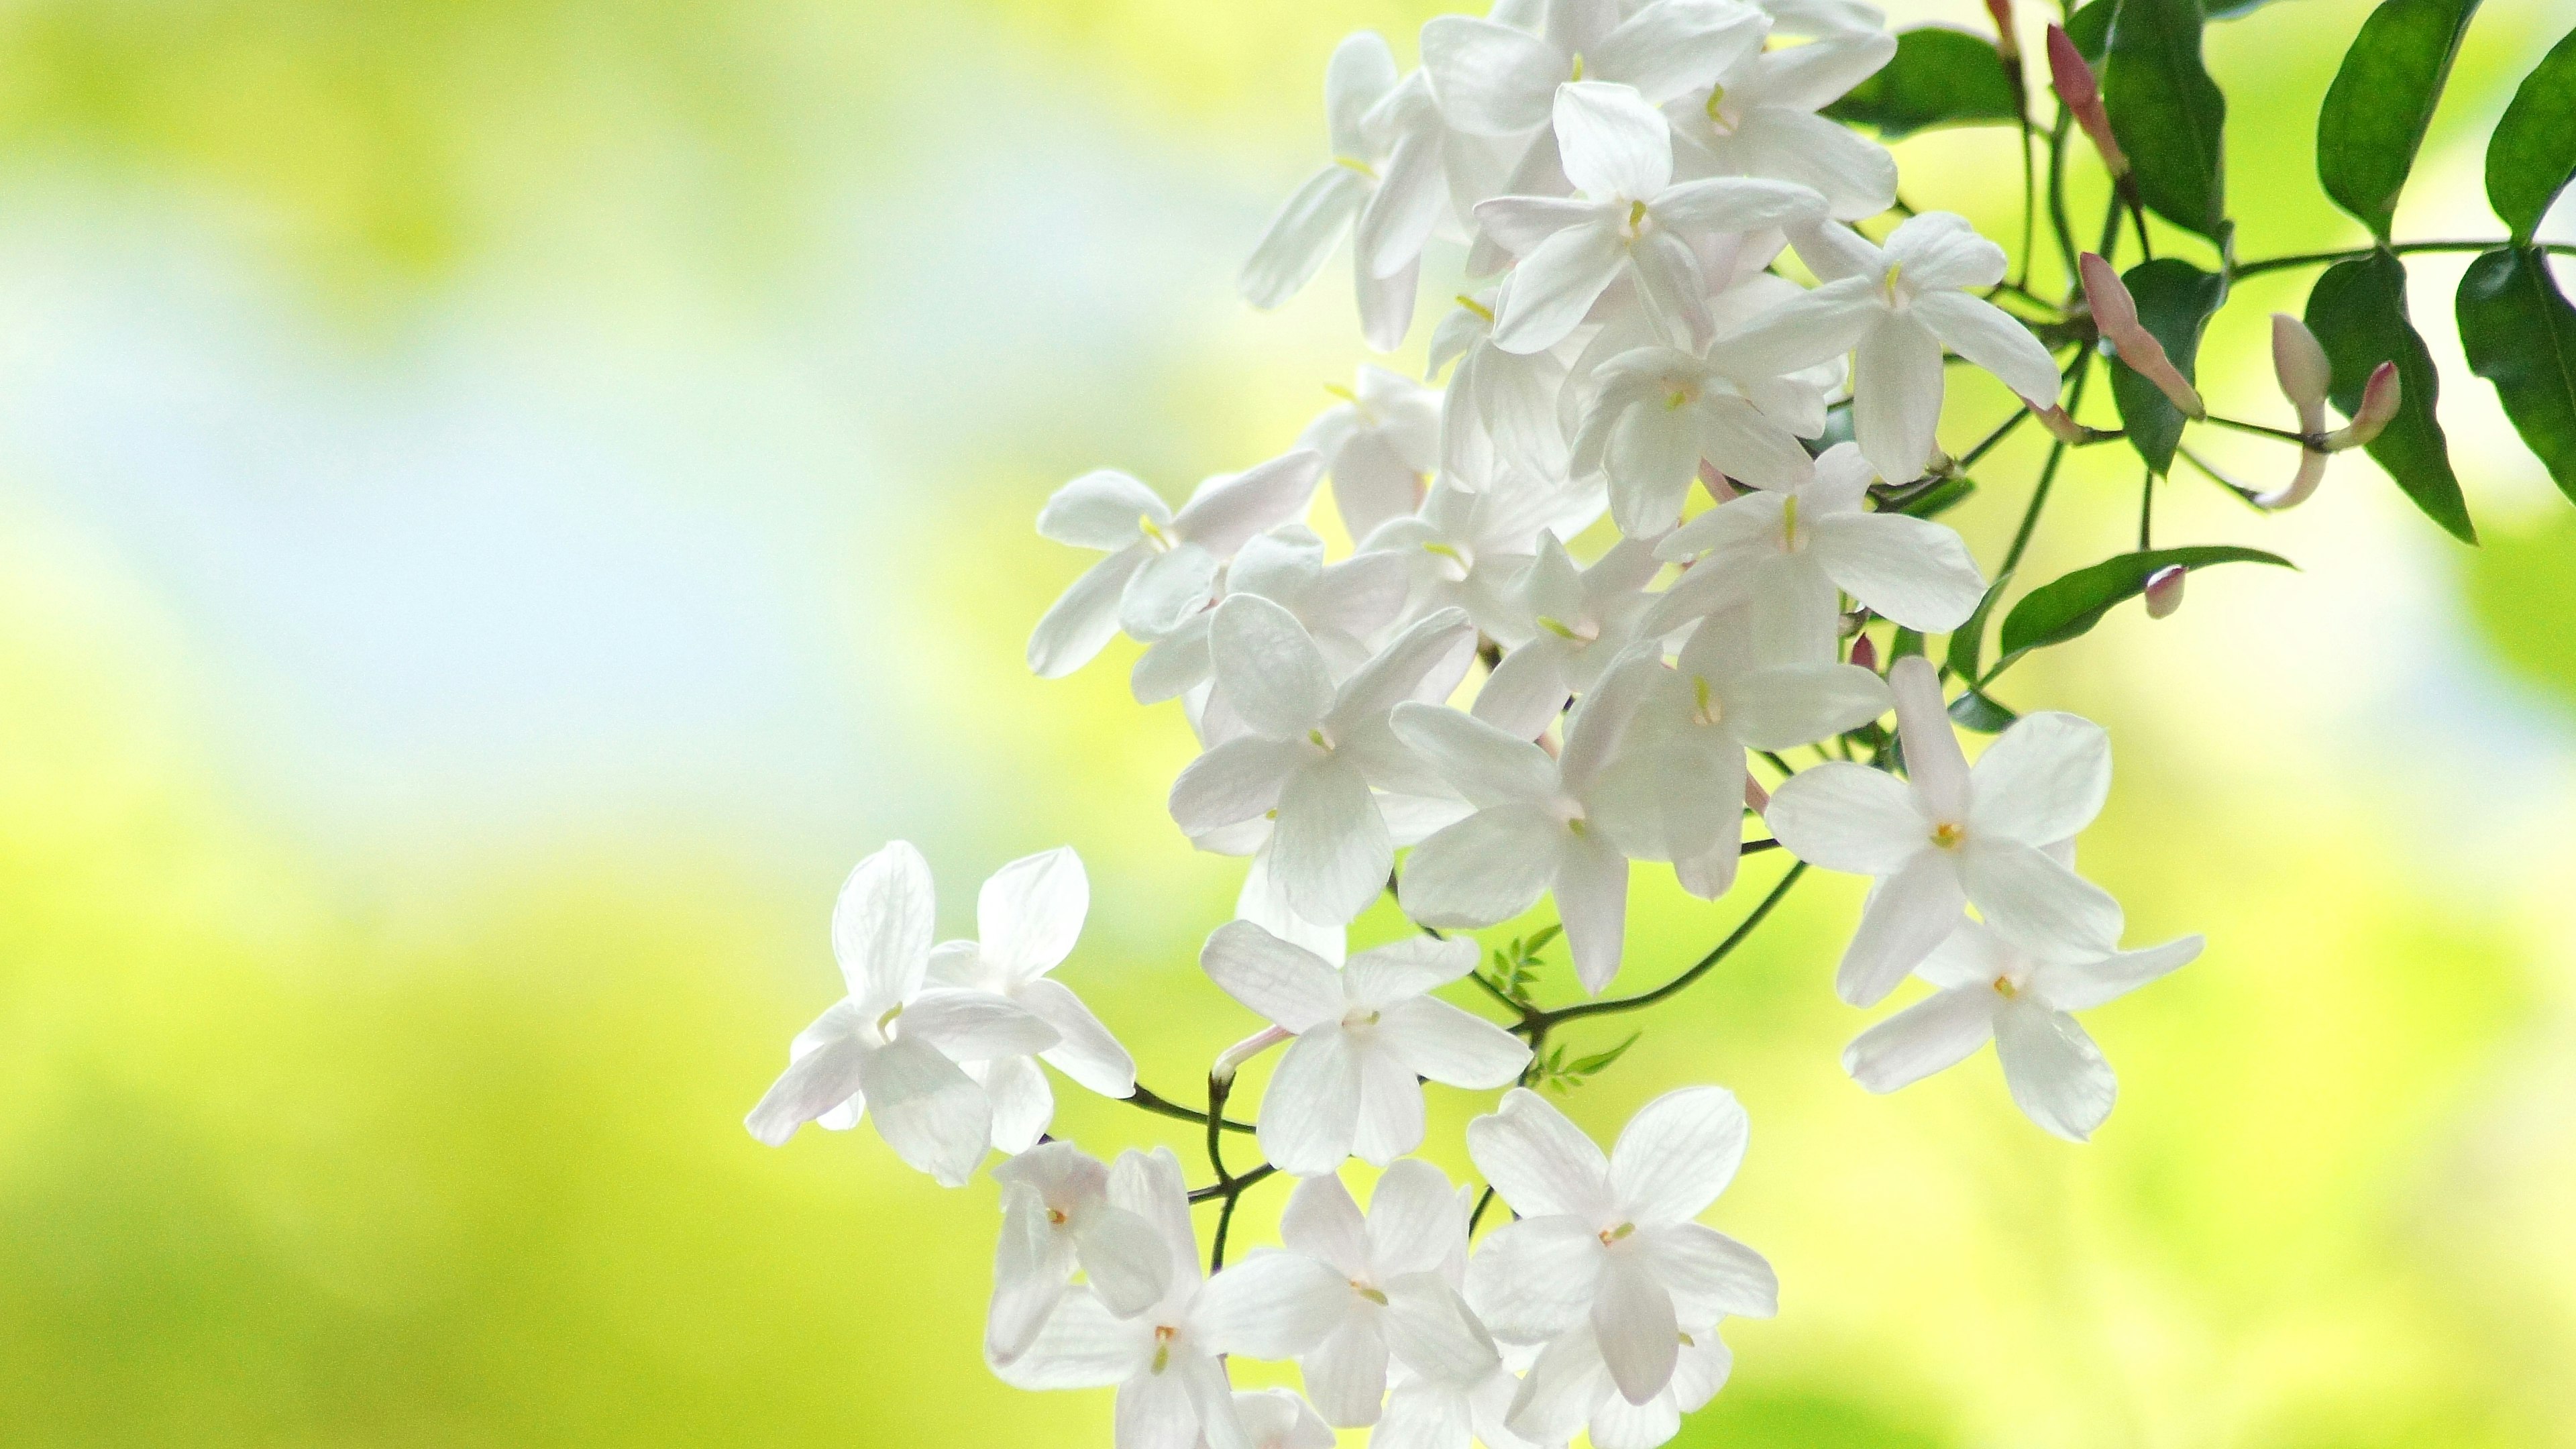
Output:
[[501, 504]]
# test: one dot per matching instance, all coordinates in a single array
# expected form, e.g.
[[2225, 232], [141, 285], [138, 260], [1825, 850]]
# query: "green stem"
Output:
[[2320, 259], [1539, 1024]]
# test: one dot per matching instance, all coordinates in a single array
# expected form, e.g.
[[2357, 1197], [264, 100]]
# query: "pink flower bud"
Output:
[[2164, 591], [2005, 44], [1756, 799], [2115, 316], [1719, 486], [1865, 654], [2074, 82], [2312, 471], [2379, 399], [2061, 424]]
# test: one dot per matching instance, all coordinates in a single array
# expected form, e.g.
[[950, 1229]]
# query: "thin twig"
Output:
[[2320, 259], [1539, 1023], [1164, 1106]]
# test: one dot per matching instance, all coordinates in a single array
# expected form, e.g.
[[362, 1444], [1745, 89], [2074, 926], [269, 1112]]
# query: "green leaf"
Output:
[[2090, 29], [2520, 334], [2065, 608], [2381, 101], [1528, 950], [2358, 311], [1587, 1066], [2233, 9], [2175, 302], [1938, 499], [1939, 77], [2167, 112], [2533, 151], [1968, 641], [1907, 643], [1975, 711]]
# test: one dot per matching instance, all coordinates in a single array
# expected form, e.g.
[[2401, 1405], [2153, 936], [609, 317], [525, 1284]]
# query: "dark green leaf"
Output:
[[2090, 29], [2167, 112], [2533, 151], [2175, 300], [2232, 9], [1907, 643], [1938, 499], [2520, 334], [1939, 77], [2381, 101], [1974, 711], [2358, 310], [1838, 428], [2065, 608], [1968, 641]]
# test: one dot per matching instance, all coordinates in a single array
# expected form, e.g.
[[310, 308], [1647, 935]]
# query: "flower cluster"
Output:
[[1518, 723]]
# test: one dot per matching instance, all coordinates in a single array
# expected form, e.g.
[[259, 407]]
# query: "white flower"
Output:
[[1345, 607], [1385, 172], [1955, 837], [1630, 220], [1759, 119], [1471, 549], [1429, 1412], [1788, 550], [1365, 1033], [1026, 918], [1501, 407], [1675, 789], [1824, 19], [1585, 617], [890, 1049], [1314, 751], [1988, 989], [1658, 411], [1381, 444], [1394, 1287], [1895, 307], [1570, 1387], [1166, 1361], [1493, 79], [1611, 1244], [1057, 1217], [1278, 1419], [1162, 566], [1537, 827]]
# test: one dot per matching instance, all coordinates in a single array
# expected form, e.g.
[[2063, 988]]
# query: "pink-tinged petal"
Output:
[[1311, 1111], [1632, 1319], [1488, 867], [1710, 1274], [1677, 1154], [1270, 672], [1082, 1346], [927, 1109], [1085, 1051], [1933, 759], [1346, 1373], [1270, 1305], [2081, 985], [882, 926], [1911, 570], [2057, 1076], [2037, 904], [1554, 287], [1540, 1162], [1907, 915], [1848, 817], [1286, 983], [1591, 889], [1536, 1278], [2042, 780], [1939, 1031], [1125, 1258], [1439, 1041], [1082, 622]]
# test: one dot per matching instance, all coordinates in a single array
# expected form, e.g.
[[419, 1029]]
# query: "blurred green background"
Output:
[[501, 504]]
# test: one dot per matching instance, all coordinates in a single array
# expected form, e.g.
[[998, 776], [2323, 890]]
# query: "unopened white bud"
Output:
[[2115, 316]]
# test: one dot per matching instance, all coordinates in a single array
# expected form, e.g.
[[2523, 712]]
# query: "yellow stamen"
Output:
[[2004, 984], [1636, 215], [1056, 1216], [1339, 391], [1445, 551], [1368, 1293], [1317, 736], [1687, 1340], [1153, 532], [1163, 1336], [1578, 67], [1699, 686], [1716, 97], [1472, 305], [1358, 165], [1894, 270], [1554, 627], [1789, 520], [1947, 836], [1615, 1234]]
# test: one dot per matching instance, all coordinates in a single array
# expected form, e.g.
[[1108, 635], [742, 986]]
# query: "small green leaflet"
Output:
[[1939, 77], [1516, 966], [2533, 151], [2175, 302], [1973, 710], [2358, 311], [2520, 334], [2066, 608], [2167, 112], [1555, 1072], [1968, 641], [2382, 99]]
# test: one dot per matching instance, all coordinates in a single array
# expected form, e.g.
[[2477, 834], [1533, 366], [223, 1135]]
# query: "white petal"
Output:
[[1082, 1346], [1793, 704], [1911, 570], [1030, 1267], [1939, 1031], [1346, 1374], [1278, 1419], [1618, 1424], [1172, 665], [2038, 904], [1736, 204], [1520, 224], [1167, 590], [1359, 75], [1612, 142], [1386, 303], [1491, 79], [1415, 1222], [1747, 445], [1391, 1109], [1411, 196], [882, 925], [1030, 912], [1154, 1412], [1488, 867], [1856, 175], [1677, 1154], [1311, 1111], [1666, 49], [1541, 1163], [1324, 1223], [1848, 817], [1896, 396], [968, 1025], [1993, 339], [1084, 1051], [1023, 1104], [2057, 1075], [1301, 235], [1235, 781], [813, 1084], [1082, 622], [2042, 780], [1431, 1331], [1972, 955], [1270, 1305], [1633, 1322], [1563, 1387], [1126, 1259], [1821, 324], [927, 1109], [1940, 249], [1536, 1278], [1933, 760], [2077, 986], [1450, 1046], [1812, 77], [1709, 1273], [1424, 663], [1675, 292], [1268, 668], [1422, 1414], [1652, 456], [1101, 510], [1228, 511], [1149, 1184], [1288, 984], [1527, 691], [1407, 968], [1555, 286], [1330, 849], [1909, 913], [1591, 888]]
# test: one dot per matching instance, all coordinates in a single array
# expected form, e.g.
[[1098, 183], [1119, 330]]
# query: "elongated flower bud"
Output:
[[2164, 591], [2299, 361], [1719, 486], [1865, 654], [2115, 316], [2005, 44], [2061, 424], [2379, 399], [2074, 82]]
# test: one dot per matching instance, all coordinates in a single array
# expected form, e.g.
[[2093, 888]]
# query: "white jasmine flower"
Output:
[[1585, 618], [1988, 989], [890, 1049], [1610, 1244], [1495, 79], [1950, 837], [1278, 1419], [1471, 549], [1657, 411], [1895, 307], [1027, 918], [1162, 566], [1346, 607], [1380, 444], [1759, 119], [1570, 1387], [1501, 407], [1057, 1217], [1365, 1033], [1315, 750], [1630, 220]]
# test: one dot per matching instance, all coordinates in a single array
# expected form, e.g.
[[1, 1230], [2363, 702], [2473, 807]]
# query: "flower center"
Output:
[[1707, 709], [1154, 534], [1894, 271], [1636, 219], [2005, 988], [1947, 835], [1164, 1333], [1789, 523], [1612, 1235], [1365, 1291], [1056, 1216]]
